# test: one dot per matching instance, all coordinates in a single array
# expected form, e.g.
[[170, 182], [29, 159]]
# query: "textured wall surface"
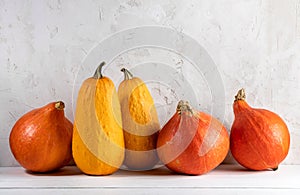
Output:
[[254, 44]]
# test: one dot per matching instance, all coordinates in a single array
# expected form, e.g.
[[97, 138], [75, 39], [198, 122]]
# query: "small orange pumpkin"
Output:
[[259, 138], [41, 139], [192, 142]]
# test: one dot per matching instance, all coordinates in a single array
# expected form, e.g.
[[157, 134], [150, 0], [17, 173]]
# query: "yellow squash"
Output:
[[98, 141], [140, 123]]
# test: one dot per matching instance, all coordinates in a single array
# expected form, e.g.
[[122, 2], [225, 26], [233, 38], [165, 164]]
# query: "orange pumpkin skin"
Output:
[[259, 139], [41, 139], [192, 143]]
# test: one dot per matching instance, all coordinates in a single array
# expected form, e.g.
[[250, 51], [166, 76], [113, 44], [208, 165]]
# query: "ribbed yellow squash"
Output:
[[140, 123], [98, 141]]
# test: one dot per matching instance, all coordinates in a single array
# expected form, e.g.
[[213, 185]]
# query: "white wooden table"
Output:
[[226, 179]]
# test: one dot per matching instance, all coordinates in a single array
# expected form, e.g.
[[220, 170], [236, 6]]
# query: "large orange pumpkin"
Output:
[[259, 138], [192, 142], [41, 139]]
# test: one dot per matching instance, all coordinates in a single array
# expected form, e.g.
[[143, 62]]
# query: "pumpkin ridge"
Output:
[[275, 142], [248, 118], [267, 139]]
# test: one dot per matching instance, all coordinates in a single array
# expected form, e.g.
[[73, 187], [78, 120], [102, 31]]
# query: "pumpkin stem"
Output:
[[59, 105], [98, 72], [241, 95], [127, 75], [184, 106]]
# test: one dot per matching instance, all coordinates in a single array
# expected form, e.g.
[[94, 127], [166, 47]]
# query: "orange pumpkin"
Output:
[[259, 138], [41, 139], [192, 142]]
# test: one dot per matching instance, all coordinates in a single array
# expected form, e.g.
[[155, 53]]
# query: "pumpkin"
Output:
[[140, 123], [192, 142], [259, 138], [41, 139], [98, 142]]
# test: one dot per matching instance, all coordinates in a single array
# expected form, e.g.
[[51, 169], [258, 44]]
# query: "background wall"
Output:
[[254, 44]]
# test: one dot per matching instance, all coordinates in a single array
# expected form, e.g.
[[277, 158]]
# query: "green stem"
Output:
[[127, 75], [98, 72]]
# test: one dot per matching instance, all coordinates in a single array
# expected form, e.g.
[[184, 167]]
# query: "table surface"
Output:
[[225, 179]]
